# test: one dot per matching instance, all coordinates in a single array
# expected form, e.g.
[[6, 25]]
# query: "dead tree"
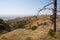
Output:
[[54, 14]]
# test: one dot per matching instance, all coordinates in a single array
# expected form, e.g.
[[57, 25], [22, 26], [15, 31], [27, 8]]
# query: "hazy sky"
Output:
[[23, 7]]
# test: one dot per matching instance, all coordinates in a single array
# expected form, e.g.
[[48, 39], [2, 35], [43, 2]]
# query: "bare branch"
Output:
[[44, 8]]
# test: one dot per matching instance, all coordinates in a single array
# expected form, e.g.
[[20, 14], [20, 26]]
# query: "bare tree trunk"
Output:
[[54, 14]]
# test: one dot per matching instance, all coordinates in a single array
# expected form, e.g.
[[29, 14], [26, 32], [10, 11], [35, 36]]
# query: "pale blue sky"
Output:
[[23, 7]]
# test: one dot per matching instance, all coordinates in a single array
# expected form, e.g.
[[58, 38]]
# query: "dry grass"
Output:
[[21, 34], [39, 34]]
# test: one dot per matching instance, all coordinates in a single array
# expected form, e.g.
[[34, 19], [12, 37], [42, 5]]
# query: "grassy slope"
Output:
[[39, 34], [22, 34]]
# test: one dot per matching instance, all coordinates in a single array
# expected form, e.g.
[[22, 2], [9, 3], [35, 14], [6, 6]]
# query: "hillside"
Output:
[[36, 29], [22, 34]]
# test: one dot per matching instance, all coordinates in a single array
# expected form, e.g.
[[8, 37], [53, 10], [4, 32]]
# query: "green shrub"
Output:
[[38, 24], [34, 27], [45, 23], [51, 32]]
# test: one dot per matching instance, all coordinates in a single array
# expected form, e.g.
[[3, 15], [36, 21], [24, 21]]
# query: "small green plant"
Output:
[[51, 32], [34, 27]]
